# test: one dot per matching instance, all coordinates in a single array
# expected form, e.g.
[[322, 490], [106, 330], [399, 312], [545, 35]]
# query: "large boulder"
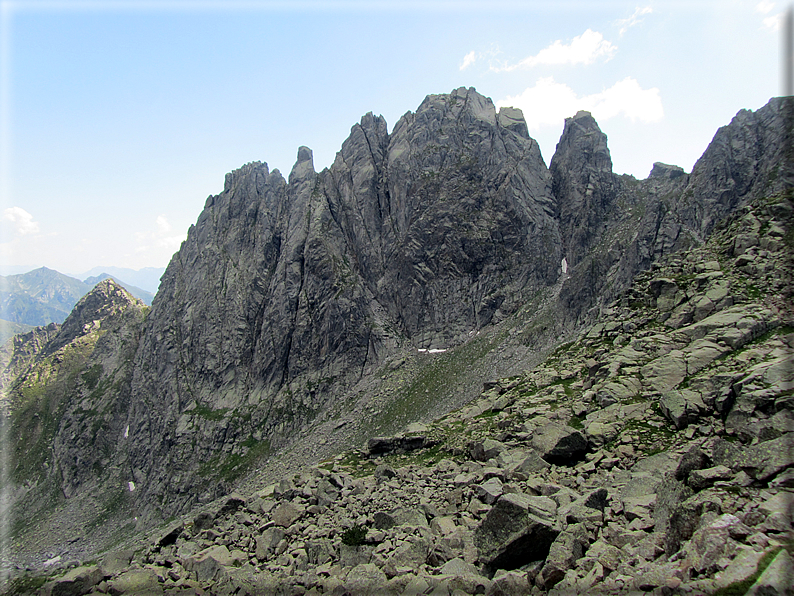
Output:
[[75, 582], [558, 444], [766, 460], [513, 534], [567, 548]]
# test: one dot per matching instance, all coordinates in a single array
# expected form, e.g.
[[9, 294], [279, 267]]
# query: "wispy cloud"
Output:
[[163, 225], [773, 22], [159, 239], [21, 221], [635, 19], [468, 60], [583, 49], [548, 103]]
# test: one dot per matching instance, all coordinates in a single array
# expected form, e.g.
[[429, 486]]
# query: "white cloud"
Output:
[[583, 49], [22, 221], [774, 23], [468, 60], [160, 239], [548, 103], [635, 19], [162, 224], [764, 7]]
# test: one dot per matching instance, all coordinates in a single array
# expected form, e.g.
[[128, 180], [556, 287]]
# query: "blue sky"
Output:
[[120, 118]]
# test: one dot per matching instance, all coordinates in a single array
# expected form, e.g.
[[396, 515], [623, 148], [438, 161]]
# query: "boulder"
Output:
[[700, 479], [489, 491], [682, 407], [567, 548], [75, 582], [693, 459], [365, 579], [766, 460], [509, 583], [408, 516], [777, 579], [714, 541], [558, 444], [139, 582], [286, 514], [511, 536], [116, 561], [685, 517]]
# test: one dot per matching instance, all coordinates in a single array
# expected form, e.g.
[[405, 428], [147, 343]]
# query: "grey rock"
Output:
[[558, 444], [693, 459], [765, 460], [116, 561], [700, 479], [139, 582], [682, 407], [408, 516], [567, 548], [365, 580], [686, 516], [289, 293], [509, 583], [489, 491], [669, 493], [608, 556], [458, 566], [712, 542], [286, 514], [75, 582], [777, 579], [510, 536]]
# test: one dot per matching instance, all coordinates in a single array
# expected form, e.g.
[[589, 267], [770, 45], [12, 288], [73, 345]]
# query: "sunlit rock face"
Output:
[[284, 290]]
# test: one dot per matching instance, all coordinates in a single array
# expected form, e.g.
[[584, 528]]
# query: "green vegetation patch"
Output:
[[27, 584], [355, 536], [91, 376], [208, 413], [432, 381]]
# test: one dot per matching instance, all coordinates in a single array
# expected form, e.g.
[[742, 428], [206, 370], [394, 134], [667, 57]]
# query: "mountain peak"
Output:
[[304, 166], [106, 300], [583, 137]]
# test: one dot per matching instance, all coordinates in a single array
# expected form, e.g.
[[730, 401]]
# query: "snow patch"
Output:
[[127, 432], [564, 266], [131, 485]]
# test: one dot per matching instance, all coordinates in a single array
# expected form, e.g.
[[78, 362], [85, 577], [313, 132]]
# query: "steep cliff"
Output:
[[287, 293], [614, 226]]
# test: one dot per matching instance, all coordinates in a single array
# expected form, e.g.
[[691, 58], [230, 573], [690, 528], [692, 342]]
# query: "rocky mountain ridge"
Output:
[[651, 454], [289, 324]]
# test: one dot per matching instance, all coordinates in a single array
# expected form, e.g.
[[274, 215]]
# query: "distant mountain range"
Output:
[[44, 296], [147, 278]]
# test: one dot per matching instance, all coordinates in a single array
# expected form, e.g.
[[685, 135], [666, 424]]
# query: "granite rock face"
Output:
[[615, 226], [285, 291]]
